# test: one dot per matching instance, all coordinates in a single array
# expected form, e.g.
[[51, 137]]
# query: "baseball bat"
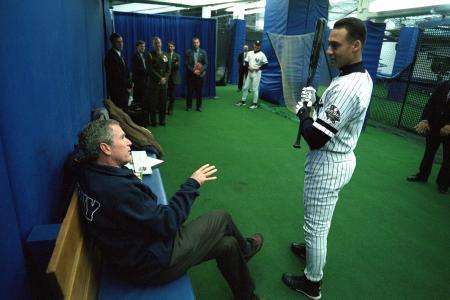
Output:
[[321, 23]]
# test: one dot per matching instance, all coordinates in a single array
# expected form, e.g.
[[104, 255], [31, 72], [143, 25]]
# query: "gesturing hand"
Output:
[[203, 174]]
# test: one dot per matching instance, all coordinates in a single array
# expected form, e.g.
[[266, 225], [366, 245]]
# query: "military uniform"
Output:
[[174, 79], [159, 67]]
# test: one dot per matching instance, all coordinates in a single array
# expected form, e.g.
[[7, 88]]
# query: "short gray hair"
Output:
[[93, 134]]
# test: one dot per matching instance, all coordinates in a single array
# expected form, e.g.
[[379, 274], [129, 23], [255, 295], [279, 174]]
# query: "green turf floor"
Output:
[[389, 239]]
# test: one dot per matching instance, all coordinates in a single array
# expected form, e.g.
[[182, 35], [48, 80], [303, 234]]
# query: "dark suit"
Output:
[[243, 70], [195, 82], [437, 113], [140, 78], [174, 79], [158, 67], [117, 79]]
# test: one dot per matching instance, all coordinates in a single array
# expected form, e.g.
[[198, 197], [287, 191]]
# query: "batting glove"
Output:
[[307, 98]]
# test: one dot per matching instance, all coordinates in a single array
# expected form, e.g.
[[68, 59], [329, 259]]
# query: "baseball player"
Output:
[[256, 61], [332, 137]]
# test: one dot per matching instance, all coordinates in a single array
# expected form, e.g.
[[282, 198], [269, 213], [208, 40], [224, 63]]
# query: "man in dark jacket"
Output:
[[174, 78], [145, 242], [243, 67], [118, 81], [196, 65], [140, 74], [159, 71], [436, 125]]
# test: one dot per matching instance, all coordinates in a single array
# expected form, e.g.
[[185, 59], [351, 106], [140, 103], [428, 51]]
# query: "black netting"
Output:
[[398, 100], [224, 44]]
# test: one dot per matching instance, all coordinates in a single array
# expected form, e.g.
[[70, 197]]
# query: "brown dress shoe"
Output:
[[256, 241]]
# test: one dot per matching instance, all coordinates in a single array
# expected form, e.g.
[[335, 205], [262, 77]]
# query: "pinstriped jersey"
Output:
[[343, 108], [256, 60]]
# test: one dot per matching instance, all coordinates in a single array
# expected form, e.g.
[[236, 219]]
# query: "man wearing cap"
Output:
[[256, 60]]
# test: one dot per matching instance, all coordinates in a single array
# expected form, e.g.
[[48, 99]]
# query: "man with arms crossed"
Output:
[[332, 137], [147, 243]]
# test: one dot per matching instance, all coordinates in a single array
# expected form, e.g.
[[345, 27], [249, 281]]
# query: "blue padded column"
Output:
[[406, 48], [291, 17], [372, 51], [372, 47], [238, 40]]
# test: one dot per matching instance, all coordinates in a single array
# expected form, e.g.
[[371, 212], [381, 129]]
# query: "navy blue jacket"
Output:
[[133, 232], [437, 109]]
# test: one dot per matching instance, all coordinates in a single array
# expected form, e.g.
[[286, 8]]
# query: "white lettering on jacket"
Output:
[[88, 205]]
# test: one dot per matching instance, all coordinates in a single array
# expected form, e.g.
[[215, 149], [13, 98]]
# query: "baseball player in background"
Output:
[[256, 61], [332, 137]]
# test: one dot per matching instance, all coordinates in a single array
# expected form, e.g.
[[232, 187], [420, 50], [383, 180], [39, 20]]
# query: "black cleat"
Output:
[[443, 189], [301, 284], [416, 178]]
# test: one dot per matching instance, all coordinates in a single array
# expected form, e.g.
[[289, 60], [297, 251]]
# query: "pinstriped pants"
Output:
[[252, 80], [324, 178]]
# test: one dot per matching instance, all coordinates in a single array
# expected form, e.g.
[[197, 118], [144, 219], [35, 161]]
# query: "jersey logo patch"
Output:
[[333, 114]]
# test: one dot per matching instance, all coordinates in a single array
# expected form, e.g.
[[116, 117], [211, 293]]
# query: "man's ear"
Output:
[[105, 148], [357, 46]]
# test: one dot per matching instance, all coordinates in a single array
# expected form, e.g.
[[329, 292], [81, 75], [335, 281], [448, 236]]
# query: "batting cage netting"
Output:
[[293, 54], [421, 61]]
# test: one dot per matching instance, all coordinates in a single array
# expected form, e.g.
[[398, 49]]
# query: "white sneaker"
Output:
[[241, 103], [253, 106]]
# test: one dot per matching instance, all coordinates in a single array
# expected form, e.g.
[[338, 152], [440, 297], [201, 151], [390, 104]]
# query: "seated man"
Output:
[[148, 243]]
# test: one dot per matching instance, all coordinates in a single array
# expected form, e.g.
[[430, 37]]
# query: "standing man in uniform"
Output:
[[139, 74], [243, 67], [174, 78], [436, 125], [118, 82], [196, 65], [159, 70], [256, 61], [332, 137]]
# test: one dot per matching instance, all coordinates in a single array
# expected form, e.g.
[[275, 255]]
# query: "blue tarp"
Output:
[[406, 49]]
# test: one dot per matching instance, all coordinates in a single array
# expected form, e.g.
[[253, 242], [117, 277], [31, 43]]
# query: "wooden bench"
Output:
[[75, 269]]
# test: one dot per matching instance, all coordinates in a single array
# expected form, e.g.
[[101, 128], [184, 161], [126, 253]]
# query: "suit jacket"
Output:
[[241, 62], [174, 62], [190, 63], [139, 71], [117, 75], [158, 67], [437, 110]]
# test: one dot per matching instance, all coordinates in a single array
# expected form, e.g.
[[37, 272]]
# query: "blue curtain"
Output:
[[11, 253], [181, 30], [238, 30], [51, 80]]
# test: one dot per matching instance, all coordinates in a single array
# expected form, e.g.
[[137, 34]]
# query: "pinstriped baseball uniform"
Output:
[[329, 168], [254, 60]]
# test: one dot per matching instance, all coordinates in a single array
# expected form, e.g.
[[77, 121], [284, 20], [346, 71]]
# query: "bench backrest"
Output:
[[74, 267]]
